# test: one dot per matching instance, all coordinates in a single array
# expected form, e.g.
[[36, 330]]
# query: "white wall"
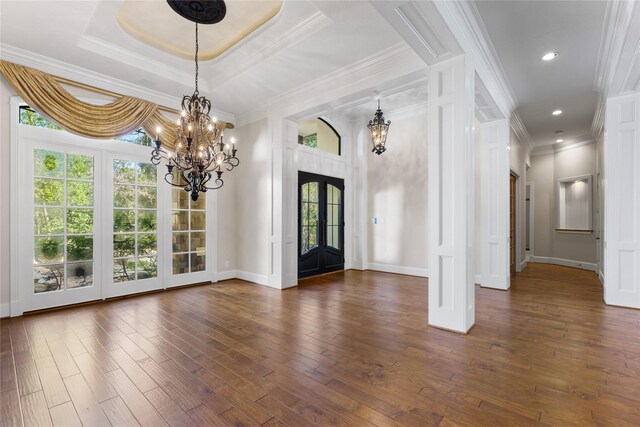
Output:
[[599, 189], [519, 157], [545, 170], [397, 196], [6, 93], [251, 203], [478, 208]]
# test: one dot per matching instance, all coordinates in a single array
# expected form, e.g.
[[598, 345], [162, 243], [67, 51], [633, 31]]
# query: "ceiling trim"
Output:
[[617, 22], [125, 56], [398, 59], [91, 78], [295, 34], [580, 141]]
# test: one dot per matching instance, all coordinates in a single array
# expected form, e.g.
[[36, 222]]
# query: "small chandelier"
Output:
[[379, 130], [200, 151]]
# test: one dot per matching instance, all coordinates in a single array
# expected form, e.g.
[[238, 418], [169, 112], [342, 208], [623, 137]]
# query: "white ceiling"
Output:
[[304, 42], [309, 40], [523, 31]]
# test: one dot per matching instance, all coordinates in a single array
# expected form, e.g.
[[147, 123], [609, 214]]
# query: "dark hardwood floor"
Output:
[[350, 348]]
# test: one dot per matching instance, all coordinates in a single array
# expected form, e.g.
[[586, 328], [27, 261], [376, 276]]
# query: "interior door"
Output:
[[512, 222], [320, 224]]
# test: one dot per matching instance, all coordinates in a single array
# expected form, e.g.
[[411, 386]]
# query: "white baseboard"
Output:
[[5, 310], [252, 277], [258, 279], [601, 277], [398, 269], [566, 262], [523, 264], [225, 275], [477, 279]]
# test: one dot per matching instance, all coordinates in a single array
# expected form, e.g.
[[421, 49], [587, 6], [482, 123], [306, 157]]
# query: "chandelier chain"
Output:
[[197, 57]]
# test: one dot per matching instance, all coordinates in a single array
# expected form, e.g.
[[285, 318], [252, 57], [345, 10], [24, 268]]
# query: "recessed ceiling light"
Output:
[[557, 112], [549, 56], [559, 140]]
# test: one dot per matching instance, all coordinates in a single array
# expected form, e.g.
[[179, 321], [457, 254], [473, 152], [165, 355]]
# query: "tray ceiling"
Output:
[[154, 23]]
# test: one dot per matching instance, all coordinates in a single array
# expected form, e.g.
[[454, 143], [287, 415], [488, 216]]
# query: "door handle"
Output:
[[324, 232]]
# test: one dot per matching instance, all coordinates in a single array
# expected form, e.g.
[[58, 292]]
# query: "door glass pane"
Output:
[[135, 213], [79, 274], [334, 214], [188, 240], [63, 220], [310, 216], [48, 163]]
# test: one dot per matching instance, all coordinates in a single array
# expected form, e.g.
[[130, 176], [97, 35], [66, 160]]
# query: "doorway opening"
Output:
[[320, 224]]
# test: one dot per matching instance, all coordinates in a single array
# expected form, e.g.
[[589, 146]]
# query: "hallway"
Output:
[[348, 348]]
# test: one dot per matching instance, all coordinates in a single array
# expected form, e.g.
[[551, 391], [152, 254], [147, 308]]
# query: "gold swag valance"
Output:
[[44, 94]]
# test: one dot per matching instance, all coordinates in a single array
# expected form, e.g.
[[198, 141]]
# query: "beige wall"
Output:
[[251, 202], [397, 195], [226, 218], [545, 171]]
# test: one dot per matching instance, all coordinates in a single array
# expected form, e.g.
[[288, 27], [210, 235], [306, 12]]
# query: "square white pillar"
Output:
[[494, 202], [622, 201], [451, 194]]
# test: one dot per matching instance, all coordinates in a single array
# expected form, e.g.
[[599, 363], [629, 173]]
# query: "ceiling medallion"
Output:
[[200, 11]]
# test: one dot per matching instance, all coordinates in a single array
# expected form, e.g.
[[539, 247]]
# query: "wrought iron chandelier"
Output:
[[201, 155], [379, 130]]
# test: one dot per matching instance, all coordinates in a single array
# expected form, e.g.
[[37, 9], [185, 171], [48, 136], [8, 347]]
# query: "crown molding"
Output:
[[580, 141], [81, 75], [617, 23], [397, 60], [466, 23], [520, 130]]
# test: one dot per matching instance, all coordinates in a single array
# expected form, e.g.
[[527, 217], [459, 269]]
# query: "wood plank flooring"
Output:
[[350, 348]]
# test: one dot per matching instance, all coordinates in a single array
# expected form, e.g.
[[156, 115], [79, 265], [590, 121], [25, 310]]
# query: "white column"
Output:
[[283, 197], [451, 195], [494, 202], [622, 201]]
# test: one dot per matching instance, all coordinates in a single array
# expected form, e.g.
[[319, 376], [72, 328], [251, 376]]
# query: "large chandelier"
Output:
[[379, 130], [201, 155]]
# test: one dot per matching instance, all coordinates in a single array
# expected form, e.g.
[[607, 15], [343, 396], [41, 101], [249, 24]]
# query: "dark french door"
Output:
[[320, 224]]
